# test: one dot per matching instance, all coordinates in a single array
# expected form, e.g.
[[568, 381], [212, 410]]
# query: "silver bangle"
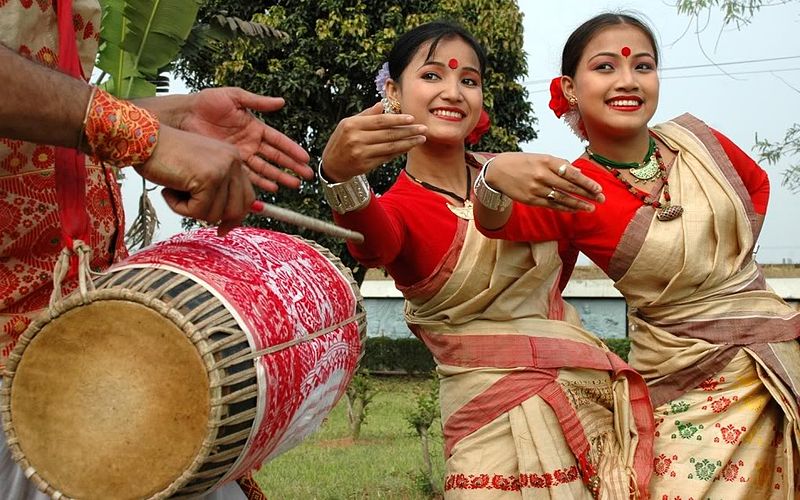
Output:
[[486, 194], [347, 196]]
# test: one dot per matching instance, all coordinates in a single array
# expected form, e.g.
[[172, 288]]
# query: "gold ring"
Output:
[[551, 195], [562, 170]]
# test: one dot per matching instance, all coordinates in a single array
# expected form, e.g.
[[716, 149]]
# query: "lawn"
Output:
[[385, 462]]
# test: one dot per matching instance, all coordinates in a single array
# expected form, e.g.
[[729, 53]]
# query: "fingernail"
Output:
[[600, 197], [587, 207]]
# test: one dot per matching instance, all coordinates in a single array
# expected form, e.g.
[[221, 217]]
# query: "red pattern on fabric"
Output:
[[28, 214], [77, 22], [89, 32], [119, 132], [46, 56], [250, 488], [282, 290], [504, 482]]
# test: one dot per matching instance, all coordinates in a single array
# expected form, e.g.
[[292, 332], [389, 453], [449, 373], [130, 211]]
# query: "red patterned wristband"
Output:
[[118, 132]]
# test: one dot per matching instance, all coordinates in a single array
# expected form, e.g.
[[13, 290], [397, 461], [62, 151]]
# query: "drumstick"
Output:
[[291, 217]]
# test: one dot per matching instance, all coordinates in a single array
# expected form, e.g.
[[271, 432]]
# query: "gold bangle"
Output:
[[82, 133]]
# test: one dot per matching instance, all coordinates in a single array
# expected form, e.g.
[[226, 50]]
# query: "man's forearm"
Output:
[[39, 104]]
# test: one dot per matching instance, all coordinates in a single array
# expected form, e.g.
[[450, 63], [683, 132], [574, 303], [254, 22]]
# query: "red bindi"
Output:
[[453, 63], [626, 51]]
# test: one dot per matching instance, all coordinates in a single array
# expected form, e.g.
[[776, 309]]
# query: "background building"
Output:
[[600, 305]]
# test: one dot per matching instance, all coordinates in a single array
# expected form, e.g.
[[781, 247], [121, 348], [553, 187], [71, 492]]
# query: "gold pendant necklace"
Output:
[[464, 212], [646, 172]]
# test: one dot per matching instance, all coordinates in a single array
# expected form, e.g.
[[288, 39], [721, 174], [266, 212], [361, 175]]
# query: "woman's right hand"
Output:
[[543, 180], [367, 140]]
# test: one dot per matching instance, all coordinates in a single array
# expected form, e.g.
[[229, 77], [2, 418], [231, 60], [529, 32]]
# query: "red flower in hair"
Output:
[[558, 102], [481, 128]]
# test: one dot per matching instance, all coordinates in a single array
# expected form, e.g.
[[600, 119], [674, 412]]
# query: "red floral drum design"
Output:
[[244, 344]]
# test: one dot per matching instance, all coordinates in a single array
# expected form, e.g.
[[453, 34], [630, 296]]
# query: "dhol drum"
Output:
[[190, 363]]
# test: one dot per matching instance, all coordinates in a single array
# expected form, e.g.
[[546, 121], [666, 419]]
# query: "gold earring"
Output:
[[390, 105], [573, 101]]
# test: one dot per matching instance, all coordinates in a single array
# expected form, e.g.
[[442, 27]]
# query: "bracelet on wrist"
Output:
[[117, 132], [346, 196], [486, 194]]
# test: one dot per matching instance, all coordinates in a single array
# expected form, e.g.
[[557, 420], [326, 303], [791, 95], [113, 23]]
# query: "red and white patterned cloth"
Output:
[[30, 233]]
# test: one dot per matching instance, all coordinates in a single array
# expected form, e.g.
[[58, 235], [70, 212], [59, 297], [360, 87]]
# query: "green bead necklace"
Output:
[[645, 171]]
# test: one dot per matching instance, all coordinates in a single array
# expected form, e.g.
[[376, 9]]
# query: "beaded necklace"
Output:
[[665, 211], [644, 171], [463, 212]]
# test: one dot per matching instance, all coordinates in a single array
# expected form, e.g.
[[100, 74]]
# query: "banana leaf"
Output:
[[140, 39]]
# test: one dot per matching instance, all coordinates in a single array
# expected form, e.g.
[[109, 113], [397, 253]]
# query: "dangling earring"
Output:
[[390, 105], [573, 101]]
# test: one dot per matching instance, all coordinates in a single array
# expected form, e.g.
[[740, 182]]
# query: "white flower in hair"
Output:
[[381, 78]]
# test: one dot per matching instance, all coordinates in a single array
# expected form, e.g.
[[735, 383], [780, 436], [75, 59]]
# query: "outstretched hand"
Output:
[[203, 178], [367, 140], [543, 180], [225, 114]]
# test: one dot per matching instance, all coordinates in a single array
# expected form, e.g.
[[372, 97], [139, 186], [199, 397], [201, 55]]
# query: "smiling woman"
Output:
[[526, 394], [684, 207]]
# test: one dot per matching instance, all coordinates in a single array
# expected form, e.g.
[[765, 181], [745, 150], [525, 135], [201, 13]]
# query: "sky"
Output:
[[753, 98]]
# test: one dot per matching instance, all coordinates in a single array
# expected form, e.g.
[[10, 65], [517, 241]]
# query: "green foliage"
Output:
[[620, 347], [382, 464], [421, 418], [741, 12], [140, 38], [408, 355], [772, 152], [359, 395], [326, 73], [735, 11]]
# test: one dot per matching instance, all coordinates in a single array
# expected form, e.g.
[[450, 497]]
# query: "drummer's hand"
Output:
[[224, 113], [202, 178], [367, 140], [530, 177]]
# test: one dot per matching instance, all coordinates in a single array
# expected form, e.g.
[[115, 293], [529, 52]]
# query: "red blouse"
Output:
[[408, 231], [597, 234]]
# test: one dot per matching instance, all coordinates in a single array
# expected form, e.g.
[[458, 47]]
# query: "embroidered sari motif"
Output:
[[702, 317], [532, 408]]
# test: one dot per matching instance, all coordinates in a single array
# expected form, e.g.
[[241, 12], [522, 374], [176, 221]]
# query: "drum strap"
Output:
[[70, 170]]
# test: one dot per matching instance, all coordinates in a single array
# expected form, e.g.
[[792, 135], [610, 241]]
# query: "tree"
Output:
[[139, 41], [326, 72], [740, 12]]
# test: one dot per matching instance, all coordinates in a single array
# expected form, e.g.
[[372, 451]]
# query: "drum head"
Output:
[[111, 401]]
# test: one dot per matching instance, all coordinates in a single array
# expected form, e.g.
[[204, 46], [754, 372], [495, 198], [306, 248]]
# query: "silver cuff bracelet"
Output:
[[352, 194], [488, 196]]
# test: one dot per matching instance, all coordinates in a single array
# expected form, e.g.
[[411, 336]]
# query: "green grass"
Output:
[[386, 461]]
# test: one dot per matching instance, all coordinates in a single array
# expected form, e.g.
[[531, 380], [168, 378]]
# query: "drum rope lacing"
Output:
[[294, 342]]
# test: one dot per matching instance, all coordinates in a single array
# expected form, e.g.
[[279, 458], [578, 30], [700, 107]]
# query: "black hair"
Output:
[[580, 38], [409, 43]]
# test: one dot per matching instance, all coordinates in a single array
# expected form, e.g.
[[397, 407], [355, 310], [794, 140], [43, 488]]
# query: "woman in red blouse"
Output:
[[683, 209], [533, 406]]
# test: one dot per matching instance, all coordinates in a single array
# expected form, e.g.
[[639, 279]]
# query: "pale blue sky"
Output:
[[757, 98]]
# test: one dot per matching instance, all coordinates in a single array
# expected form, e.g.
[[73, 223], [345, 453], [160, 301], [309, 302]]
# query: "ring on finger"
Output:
[[551, 195], [562, 170]]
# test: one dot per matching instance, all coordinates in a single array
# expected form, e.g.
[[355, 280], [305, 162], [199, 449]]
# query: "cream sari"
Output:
[[532, 408], [717, 347]]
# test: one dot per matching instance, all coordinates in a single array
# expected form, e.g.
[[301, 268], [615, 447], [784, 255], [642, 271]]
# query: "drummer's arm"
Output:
[[39, 104]]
